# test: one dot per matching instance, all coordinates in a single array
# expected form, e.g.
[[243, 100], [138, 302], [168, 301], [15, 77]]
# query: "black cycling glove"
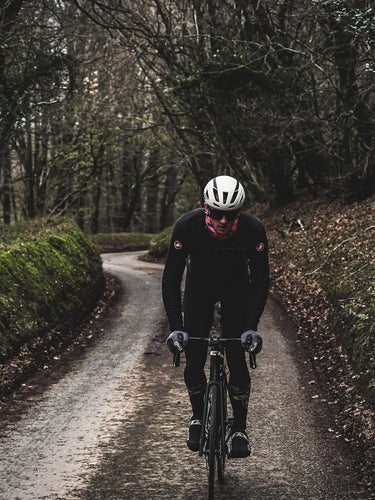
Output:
[[251, 341]]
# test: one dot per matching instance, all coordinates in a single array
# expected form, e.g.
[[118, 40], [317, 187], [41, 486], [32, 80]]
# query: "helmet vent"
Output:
[[215, 191], [235, 193]]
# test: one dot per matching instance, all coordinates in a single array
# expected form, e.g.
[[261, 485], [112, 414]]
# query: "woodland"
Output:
[[117, 112]]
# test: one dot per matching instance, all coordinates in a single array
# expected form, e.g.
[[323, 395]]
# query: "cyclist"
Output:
[[225, 252]]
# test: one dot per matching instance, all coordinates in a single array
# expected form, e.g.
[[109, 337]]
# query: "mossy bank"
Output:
[[121, 242], [50, 277]]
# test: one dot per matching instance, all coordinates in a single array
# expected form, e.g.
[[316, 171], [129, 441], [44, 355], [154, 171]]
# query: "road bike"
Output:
[[217, 426]]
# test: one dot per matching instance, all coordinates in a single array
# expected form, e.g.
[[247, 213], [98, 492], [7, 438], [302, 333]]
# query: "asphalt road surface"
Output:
[[112, 425]]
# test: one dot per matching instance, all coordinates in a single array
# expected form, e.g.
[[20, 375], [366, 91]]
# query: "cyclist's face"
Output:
[[221, 221]]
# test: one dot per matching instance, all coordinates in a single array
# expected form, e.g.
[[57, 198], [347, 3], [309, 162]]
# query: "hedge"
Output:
[[50, 277]]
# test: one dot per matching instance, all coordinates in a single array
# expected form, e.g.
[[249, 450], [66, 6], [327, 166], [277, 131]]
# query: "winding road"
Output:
[[112, 426]]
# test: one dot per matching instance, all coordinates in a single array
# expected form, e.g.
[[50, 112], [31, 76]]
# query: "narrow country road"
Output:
[[58, 441], [113, 426]]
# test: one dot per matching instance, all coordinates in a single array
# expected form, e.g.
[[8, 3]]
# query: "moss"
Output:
[[159, 244], [121, 242], [50, 277]]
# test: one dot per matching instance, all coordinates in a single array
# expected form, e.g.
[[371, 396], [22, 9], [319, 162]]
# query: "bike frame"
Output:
[[218, 378]]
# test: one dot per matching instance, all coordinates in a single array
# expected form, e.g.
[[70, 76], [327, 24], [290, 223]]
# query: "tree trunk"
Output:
[[98, 174], [30, 193], [152, 192], [41, 167], [96, 211], [6, 168], [171, 188], [133, 200]]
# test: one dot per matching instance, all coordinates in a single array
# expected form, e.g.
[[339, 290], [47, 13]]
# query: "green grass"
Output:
[[50, 276], [121, 242], [159, 244]]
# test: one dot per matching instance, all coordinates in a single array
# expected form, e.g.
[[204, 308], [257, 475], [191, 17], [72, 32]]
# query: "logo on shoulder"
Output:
[[177, 245], [260, 247]]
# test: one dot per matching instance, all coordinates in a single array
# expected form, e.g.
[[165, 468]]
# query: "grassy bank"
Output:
[[323, 265], [121, 242], [323, 269], [50, 276]]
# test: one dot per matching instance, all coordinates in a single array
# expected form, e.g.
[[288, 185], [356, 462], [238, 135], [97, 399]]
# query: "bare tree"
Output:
[[109, 107]]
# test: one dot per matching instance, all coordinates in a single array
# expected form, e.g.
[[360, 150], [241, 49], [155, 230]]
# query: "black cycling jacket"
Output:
[[219, 267]]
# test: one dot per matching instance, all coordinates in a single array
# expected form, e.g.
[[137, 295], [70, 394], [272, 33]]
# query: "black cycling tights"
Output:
[[198, 317]]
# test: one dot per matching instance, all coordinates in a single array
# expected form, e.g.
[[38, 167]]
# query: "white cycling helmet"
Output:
[[224, 193]]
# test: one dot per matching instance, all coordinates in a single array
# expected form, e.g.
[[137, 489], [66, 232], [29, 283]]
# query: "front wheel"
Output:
[[221, 441], [212, 440], [221, 462]]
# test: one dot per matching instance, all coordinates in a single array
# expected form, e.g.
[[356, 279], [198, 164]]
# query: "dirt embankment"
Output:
[[323, 262]]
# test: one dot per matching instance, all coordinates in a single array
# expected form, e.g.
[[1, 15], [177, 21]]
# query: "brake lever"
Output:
[[252, 360], [176, 359]]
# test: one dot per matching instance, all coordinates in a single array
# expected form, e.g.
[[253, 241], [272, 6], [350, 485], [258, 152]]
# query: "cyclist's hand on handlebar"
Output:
[[251, 341], [177, 341]]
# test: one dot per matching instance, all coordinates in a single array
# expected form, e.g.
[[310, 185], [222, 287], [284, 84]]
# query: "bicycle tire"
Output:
[[221, 463], [212, 440], [221, 455]]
